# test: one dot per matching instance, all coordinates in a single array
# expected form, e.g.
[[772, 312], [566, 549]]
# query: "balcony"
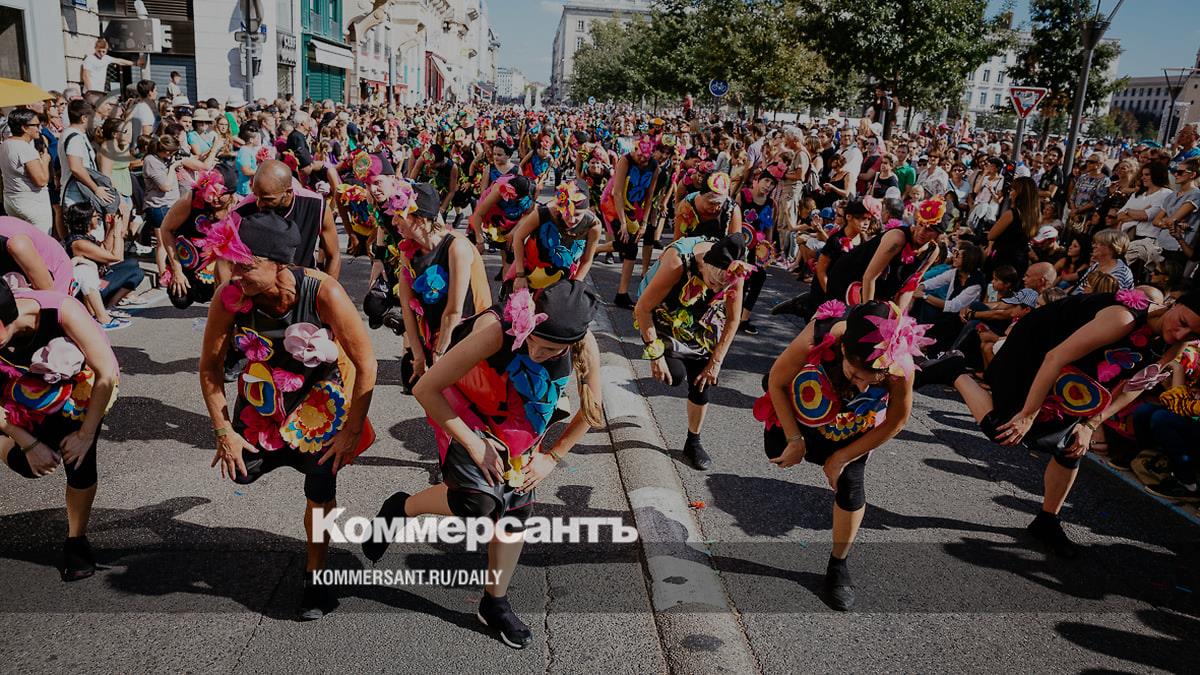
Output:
[[325, 26]]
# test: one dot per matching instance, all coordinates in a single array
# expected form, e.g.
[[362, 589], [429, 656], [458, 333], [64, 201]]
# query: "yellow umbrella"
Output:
[[19, 92]]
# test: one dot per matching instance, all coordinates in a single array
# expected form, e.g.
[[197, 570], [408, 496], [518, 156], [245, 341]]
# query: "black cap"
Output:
[[1191, 300], [856, 208], [269, 235], [727, 250], [585, 199], [569, 307], [8, 304], [429, 202]]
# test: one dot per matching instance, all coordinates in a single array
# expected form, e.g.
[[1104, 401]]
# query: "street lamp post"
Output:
[[1092, 32], [1174, 88]]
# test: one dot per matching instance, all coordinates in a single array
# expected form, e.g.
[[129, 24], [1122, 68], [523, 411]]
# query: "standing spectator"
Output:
[[143, 117], [247, 159], [1185, 140], [297, 143], [175, 90], [1091, 189], [1137, 216], [1051, 183], [78, 158], [162, 183], [1179, 217], [25, 165], [93, 74]]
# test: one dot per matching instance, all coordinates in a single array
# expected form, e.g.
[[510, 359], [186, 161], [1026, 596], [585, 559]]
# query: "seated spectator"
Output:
[[1075, 262], [119, 276], [1108, 251], [1045, 247], [1136, 218]]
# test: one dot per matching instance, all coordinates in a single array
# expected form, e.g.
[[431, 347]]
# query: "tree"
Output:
[[921, 50], [603, 65], [997, 119], [1105, 126], [1052, 56]]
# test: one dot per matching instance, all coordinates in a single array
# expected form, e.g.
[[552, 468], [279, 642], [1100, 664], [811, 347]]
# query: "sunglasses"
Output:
[[1179, 171]]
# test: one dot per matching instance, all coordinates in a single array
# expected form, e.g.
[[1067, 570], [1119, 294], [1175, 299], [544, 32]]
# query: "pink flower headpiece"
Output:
[[898, 340], [223, 241], [645, 146], [208, 188], [777, 170], [402, 202], [830, 309], [521, 312]]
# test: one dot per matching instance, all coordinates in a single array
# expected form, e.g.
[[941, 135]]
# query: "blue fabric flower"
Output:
[[532, 383], [431, 284], [559, 257]]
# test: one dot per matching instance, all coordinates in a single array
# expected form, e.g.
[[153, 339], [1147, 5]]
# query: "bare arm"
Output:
[[889, 248], [525, 227], [83, 330], [329, 245], [22, 250], [456, 294]]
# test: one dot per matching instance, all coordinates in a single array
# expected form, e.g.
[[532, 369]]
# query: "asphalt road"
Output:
[[203, 575]]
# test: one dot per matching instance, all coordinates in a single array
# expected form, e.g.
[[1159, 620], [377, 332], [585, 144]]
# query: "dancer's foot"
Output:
[[838, 588], [694, 451], [623, 301], [393, 507], [317, 601], [77, 560], [941, 370], [1048, 530], [796, 306], [747, 328], [498, 614]]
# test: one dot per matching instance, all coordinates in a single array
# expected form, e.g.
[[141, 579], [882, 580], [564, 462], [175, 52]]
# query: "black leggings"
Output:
[[320, 483], [754, 288], [687, 370], [51, 433], [851, 492]]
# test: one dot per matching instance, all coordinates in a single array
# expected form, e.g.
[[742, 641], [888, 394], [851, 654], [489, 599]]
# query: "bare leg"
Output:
[[695, 415], [1058, 481], [502, 559], [317, 553], [95, 304], [117, 297], [79, 509], [845, 529], [432, 500], [978, 399], [626, 276]]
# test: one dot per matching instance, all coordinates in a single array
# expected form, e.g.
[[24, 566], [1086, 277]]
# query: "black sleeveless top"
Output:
[[709, 228], [307, 213], [851, 267], [431, 288]]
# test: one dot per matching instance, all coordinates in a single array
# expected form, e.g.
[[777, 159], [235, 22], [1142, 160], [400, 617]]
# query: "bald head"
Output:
[[273, 176], [1040, 276]]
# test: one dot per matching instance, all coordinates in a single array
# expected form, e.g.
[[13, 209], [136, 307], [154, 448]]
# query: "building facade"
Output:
[[23, 56], [1151, 95], [574, 28], [510, 83]]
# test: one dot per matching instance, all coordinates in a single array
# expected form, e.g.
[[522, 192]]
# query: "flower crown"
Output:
[[930, 212], [223, 241], [403, 202], [898, 340], [567, 196], [208, 188]]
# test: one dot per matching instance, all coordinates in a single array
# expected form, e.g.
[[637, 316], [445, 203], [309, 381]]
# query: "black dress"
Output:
[[1010, 248]]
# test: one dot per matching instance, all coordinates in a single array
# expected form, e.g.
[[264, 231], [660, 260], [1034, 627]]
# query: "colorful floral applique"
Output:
[[431, 284], [1116, 360], [318, 418], [310, 344], [539, 392], [256, 347]]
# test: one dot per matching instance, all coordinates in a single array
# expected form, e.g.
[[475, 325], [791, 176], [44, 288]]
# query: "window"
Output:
[[578, 42], [14, 57], [579, 26], [996, 100], [1000, 77], [982, 98], [971, 76], [987, 75], [1004, 58]]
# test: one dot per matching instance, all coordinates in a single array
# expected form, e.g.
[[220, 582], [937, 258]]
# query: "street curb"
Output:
[[699, 630]]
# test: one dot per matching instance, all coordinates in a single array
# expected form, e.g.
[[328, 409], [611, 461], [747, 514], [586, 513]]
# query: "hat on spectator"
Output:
[[201, 115], [1044, 234], [1025, 296], [856, 208], [235, 102], [828, 213]]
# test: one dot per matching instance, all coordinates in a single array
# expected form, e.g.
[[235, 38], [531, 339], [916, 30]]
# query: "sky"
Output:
[[1153, 33]]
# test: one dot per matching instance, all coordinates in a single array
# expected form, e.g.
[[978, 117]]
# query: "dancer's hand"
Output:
[[658, 368], [1015, 430], [708, 375], [42, 460], [536, 470], [486, 455], [419, 369], [792, 455], [341, 449], [1081, 442], [520, 282], [229, 455], [76, 446], [833, 471], [179, 283]]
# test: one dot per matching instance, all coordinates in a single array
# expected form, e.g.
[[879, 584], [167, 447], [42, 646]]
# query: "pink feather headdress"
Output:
[[898, 340]]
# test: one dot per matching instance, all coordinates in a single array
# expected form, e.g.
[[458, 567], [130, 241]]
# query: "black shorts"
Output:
[[51, 433], [1051, 437], [320, 483], [628, 249], [466, 482]]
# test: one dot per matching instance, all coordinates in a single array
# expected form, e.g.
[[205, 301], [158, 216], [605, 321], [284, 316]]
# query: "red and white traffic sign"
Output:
[[1025, 99]]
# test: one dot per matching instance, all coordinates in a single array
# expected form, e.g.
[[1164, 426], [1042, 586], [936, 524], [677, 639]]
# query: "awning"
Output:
[[332, 55]]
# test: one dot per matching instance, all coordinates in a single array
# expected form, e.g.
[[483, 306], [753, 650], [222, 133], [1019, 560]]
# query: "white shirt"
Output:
[[97, 70], [14, 154], [1151, 203], [949, 279], [854, 160], [143, 117]]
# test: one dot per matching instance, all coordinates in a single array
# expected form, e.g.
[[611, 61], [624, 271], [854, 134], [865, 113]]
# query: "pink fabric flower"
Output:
[[322, 188], [166, 277], [58, 361], [264, 153], [286, 381], [507, 191], [233, 300], [1107, 371], [893, 224], [260, 431], [1133, 299], [310, 344], [403, 201], [899, 340], [830, 309], [19, 416], [208, 188], [223, 241], [764, 411], [15, 280], [521, 312]]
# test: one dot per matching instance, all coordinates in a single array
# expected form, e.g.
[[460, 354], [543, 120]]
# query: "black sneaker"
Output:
[[694, 451], [497, 613], [838, 588], [393, 507], [1172, 489], [747, 328], [1048, 530], [77, 561], [623, 301], [797, 306], [608, 258], [394, 319], [941, 370], [233, 367], [317, 601]]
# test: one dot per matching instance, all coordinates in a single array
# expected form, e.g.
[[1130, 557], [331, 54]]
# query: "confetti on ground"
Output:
[[239, 493], [697, 504], [1185, 589]]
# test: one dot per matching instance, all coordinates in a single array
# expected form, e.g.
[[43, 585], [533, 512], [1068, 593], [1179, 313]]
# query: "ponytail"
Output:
[[589, 405]]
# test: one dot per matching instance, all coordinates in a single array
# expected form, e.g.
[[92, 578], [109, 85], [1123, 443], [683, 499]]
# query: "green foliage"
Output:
[[921, 50], [1052, 57], [997, 119], [1105, 126]]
